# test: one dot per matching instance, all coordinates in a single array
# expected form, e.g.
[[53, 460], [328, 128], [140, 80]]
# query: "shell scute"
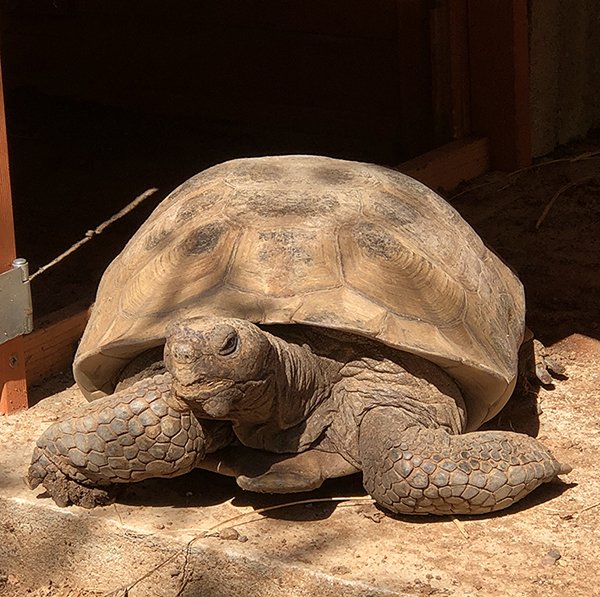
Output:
[[286, 261]]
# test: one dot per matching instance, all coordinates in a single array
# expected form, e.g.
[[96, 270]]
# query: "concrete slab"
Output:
[[150, 542]]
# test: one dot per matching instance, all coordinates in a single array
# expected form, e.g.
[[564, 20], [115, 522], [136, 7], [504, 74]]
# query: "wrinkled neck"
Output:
[[297, 382], [304, 381]]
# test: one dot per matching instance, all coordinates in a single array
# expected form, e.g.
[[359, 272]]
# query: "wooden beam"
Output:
[[13, 387], [499, 79], [446, 167], [50, 348]]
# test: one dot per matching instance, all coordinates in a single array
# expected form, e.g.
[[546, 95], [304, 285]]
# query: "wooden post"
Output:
[[13, 385], [450, 70], [499, 78]]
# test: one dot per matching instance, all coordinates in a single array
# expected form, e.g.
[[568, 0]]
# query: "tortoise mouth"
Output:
[[210, 398], [200, 390]]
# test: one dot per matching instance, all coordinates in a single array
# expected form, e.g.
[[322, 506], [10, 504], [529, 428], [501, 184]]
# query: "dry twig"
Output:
[[98, 230], [558, 193], [589, 155], [596, 505], [118, 514], [461, 527]]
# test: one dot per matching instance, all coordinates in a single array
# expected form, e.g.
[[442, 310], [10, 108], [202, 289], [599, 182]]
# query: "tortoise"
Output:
[[318, 317]]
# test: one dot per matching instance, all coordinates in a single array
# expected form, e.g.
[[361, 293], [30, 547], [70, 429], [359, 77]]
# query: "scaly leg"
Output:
[[410, 469], [135, 434]]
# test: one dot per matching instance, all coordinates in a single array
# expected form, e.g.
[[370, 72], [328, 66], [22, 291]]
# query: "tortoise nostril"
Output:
[[182, 352]]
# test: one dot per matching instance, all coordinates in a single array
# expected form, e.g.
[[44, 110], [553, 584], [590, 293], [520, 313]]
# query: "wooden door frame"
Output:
[[498, 46], [480, 75], [13, 384]]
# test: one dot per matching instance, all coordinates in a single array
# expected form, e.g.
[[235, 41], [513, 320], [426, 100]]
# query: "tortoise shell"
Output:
[[317, 241]]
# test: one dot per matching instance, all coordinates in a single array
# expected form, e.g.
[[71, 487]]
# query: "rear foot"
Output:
[[266, 472], [546, 366], [411, 469]]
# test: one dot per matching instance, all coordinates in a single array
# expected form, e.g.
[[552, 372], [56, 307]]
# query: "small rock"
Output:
[[229, 534], [374, 516], [242, 538], [159, 525], [340, 570], [554, 553], [174, 572], [551, 557]]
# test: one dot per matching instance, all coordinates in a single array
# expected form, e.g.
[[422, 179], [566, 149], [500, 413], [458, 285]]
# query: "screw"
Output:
[[13, 361], [18, 262]]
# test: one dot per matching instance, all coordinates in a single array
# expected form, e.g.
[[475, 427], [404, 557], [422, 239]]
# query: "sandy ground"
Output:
[[549, 544]]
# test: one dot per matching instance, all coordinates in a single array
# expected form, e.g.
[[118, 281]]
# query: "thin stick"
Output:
[[98, 230], [596, 505], [461, 527], [297, 503], [557, 195], [573, 514], [226, 523], [126, 588], [118, 514], [578, 158]]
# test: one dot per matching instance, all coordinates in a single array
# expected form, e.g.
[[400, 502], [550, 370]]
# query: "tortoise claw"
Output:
[[66, 492], [546, 366], [63, 489]]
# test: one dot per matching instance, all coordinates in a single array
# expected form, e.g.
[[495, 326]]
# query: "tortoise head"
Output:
[[218, 364]]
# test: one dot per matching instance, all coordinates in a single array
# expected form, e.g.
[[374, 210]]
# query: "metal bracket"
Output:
[[16, 312]]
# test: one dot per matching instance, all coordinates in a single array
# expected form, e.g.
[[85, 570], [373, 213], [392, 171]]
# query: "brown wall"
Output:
[[565, 71], [322, 67]]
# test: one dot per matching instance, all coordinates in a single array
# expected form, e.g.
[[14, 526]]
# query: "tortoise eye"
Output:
[[230, 345]]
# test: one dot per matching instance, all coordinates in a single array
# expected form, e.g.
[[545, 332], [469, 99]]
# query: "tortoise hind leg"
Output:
[[410, 469], [135, 434], [266, 472]]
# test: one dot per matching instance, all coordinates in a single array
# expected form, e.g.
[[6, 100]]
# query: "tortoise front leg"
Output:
[[410, 469], [135, 434]]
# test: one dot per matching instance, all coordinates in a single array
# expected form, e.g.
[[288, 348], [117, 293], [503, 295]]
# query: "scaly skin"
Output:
[[135, 434], [410, 469]]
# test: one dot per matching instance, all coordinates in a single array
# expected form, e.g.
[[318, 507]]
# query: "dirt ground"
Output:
[[549, 544]]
